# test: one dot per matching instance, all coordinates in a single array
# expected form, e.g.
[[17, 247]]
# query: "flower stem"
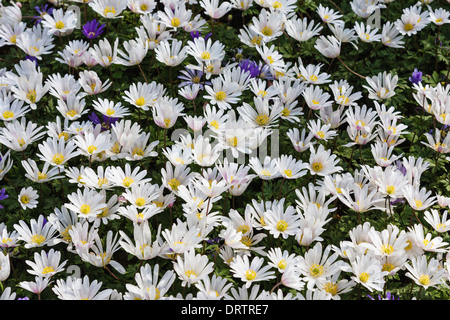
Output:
[[355, 73]]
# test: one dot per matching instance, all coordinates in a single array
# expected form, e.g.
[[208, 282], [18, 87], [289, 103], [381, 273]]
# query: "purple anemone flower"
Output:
[[92, 29], [42, 11], [250, 66], [3, 196], [106, 122], [416, 76]]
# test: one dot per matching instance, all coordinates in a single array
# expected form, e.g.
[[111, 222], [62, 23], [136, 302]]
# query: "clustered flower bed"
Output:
[[255, 149]]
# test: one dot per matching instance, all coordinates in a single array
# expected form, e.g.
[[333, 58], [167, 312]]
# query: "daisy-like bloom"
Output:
[[62, 86], [317, 264], [80, 289], [91, 144], [145, 245], [426, 242], [382, 153], [141, 195], [268, 25], [271, 57], [57, 151], [110, 9], [30, 89], [439, 16], [126, 178], [281, 222], [290, 168], [381, 86], [302, 29], [418, 199], [321, 131], [7, 294], [73, 107], [366, 33], [175, 17], [215, 287], [101, 253], [37, 286], [63, 220], [104, 53], [300, 141], [132, 213], [390, 242], [36, 42], [142, 6], [438, 144], [391, 36], [343, 93], [60, 23], [281, 259], [265, 115], [251, 271], [143, 95], [46, 264], [250, 37], [222, 93], [135, 52], [40, 176], [12, 109], [87, 203], [267, 169], [140, 148], [214, 9], [110, 108], [166, 112], [322, 162], [178, 155], [8, 239], [328, 46], [98, 180], [28, 198], [425, 273], [412, 20], [172, 179], [9, 33], [311, 74], [171, 52], [438, 222], [236, 137], [38, 234], [366, 270], [328, 16], [192, 268], [148, 284], [92, 84], [364, 9]]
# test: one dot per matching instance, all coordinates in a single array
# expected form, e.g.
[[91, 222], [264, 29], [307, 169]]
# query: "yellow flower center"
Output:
[[390, 189], [220, 96], [262, 119], [313, 78], [109, 10], [205, 55], [58, 158], [317, 166], [85, 209], [267, 31], [24, 199], [175, 22], [140, 202], [408, 27], [321, 134], [110, 111], [214, 124], [282, 264], [174, 184], [424, 279], [91, 149], [8, 114], [233, 141], [419, 203], [37, 239], [190, 273], [59, 25], [71, 113], [316, 270], [48, 269], [41, 176], [127, 181], [364, 277], [331, 288], [31, 95], [140, 102], [387, 249], [250, 275], [288, 172], [282, 225], [285, 112]]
